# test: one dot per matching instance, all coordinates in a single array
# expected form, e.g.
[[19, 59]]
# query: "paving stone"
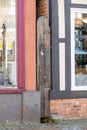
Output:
[[61, 125]]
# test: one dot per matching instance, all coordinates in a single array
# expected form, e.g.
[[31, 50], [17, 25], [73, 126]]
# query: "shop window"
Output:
[[12, 44], [79, 49]]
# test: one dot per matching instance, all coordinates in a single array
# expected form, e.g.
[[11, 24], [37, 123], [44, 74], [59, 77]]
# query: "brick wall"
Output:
[[69, 108], [42, 7]]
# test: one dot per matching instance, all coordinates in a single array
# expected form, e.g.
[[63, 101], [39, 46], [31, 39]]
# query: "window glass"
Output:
[[80, 49], [8, 68]]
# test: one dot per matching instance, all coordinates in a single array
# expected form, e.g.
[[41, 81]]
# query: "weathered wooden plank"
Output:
[[43, 63], [43, 53]]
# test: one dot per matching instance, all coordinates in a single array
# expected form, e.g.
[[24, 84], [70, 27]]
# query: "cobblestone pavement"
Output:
[[60, 125]]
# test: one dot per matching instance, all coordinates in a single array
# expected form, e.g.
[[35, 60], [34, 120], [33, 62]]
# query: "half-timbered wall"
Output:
[[60, 22]]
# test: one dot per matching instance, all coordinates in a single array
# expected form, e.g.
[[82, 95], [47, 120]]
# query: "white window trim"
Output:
[[73, 87]]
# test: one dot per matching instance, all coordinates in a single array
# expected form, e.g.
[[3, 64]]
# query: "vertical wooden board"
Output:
[[43, 53], [43, 64]]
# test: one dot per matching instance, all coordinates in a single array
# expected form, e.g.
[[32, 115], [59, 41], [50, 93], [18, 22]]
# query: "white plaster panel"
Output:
[[62, 65], [79, 1], [61, 18]]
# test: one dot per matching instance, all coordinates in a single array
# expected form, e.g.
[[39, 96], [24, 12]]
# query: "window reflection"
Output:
[[80, 49], [8, 43]]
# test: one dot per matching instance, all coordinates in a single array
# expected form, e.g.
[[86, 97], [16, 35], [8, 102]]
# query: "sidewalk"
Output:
[[60, 125]]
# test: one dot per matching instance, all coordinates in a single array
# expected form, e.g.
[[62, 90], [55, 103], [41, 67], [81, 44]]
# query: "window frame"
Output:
[[21, 47]]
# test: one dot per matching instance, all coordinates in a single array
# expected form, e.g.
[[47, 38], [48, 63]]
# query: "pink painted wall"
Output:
[[30, 44]]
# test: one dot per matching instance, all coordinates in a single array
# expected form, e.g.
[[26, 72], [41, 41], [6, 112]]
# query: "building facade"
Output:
[[18, 96], [43, 59], [68, 65], [68, 58], [68, 28]]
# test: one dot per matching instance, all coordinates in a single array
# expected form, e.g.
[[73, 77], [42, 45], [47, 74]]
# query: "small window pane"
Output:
[[8, 68]]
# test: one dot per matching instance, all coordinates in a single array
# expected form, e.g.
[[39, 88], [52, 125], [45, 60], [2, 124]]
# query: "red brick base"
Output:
[[69, 108]]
